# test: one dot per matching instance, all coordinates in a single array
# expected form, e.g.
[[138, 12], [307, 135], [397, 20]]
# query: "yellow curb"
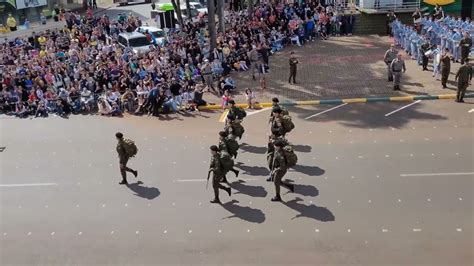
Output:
[[307, 102], [447, 96], [210, 107], [401, 98], [355, 100]]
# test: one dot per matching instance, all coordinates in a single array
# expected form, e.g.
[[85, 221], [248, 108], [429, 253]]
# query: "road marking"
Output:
[[325, 111], [403, 107], [204, 180], [471, 111], [258, 111], [436, 174], [416, 230], [459, 229], [29, 185], [223, 116]]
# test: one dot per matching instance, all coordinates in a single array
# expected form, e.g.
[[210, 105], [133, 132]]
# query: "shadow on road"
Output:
[[252, 191], [253, 170], [253, 149], [308, 170], [144, 192], [304, 190], [302, 148], [310, 211], [245, 213]]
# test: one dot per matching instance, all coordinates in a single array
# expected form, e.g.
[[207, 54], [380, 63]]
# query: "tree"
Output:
[[211, 20], [188, 9], [176, 5], [220, 15], [250, 8]]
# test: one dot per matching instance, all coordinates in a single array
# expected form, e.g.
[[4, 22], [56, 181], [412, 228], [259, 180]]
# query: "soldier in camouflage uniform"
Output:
[[223, 147], [271, 150], [276, 124], [217, 174], [123, 159], [279, 169]]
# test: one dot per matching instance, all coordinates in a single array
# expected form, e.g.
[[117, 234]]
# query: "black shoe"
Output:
[[215, 201], [253, 77], [291, 187], [294, 82], [461, 101], [123, 183], [270, 179], [224, 180], [236, 173], [228, 191], [135, 173], [276, 198]]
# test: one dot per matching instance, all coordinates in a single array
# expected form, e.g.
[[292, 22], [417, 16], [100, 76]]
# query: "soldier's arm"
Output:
[[457, 75], [404, 67]]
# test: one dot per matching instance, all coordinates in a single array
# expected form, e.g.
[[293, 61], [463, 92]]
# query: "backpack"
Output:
[[240, 114], [284, 111], [130, 147], [290, 156], [287, 123], [232, 145], [237, 129], [226, 161]]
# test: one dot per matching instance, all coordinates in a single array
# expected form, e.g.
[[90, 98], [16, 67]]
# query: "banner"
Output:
[[22, 4], [449, 6]]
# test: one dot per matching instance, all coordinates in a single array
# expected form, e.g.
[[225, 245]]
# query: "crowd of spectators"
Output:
[[82, 69]]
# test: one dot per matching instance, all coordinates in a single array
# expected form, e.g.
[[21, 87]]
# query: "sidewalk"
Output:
[[51, 24], [341, 67]]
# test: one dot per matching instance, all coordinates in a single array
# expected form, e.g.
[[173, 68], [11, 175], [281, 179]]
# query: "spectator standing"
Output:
[[465, 44], [250, 97], [11, 22], [391, 17]]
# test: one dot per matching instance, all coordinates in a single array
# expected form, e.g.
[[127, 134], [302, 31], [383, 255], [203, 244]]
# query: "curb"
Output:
[[349, 100]]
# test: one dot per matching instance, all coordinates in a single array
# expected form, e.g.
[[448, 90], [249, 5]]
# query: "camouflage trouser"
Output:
[[397, 76], [462, 87], [216, 183], [277, 180]]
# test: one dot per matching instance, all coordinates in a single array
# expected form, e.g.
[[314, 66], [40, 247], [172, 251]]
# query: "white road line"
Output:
[[401, 108], [471, 111], [437, 174], [29, 185], [325, 111], [204, 180], [258, 111]]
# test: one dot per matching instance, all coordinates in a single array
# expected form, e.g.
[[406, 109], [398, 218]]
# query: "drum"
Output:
[[429, 53]]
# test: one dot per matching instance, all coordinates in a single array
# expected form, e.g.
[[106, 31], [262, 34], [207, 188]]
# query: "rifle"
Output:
[[208, 175]]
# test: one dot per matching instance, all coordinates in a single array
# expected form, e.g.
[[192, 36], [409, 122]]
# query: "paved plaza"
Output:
[[377, 183]]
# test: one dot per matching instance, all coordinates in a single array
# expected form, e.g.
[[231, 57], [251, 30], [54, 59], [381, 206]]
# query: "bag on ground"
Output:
[[287, 123], [130, 147], [290, 156], [226, 161]]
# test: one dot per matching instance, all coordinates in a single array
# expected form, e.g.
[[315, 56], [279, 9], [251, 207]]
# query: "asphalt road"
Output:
[[373, 188]]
